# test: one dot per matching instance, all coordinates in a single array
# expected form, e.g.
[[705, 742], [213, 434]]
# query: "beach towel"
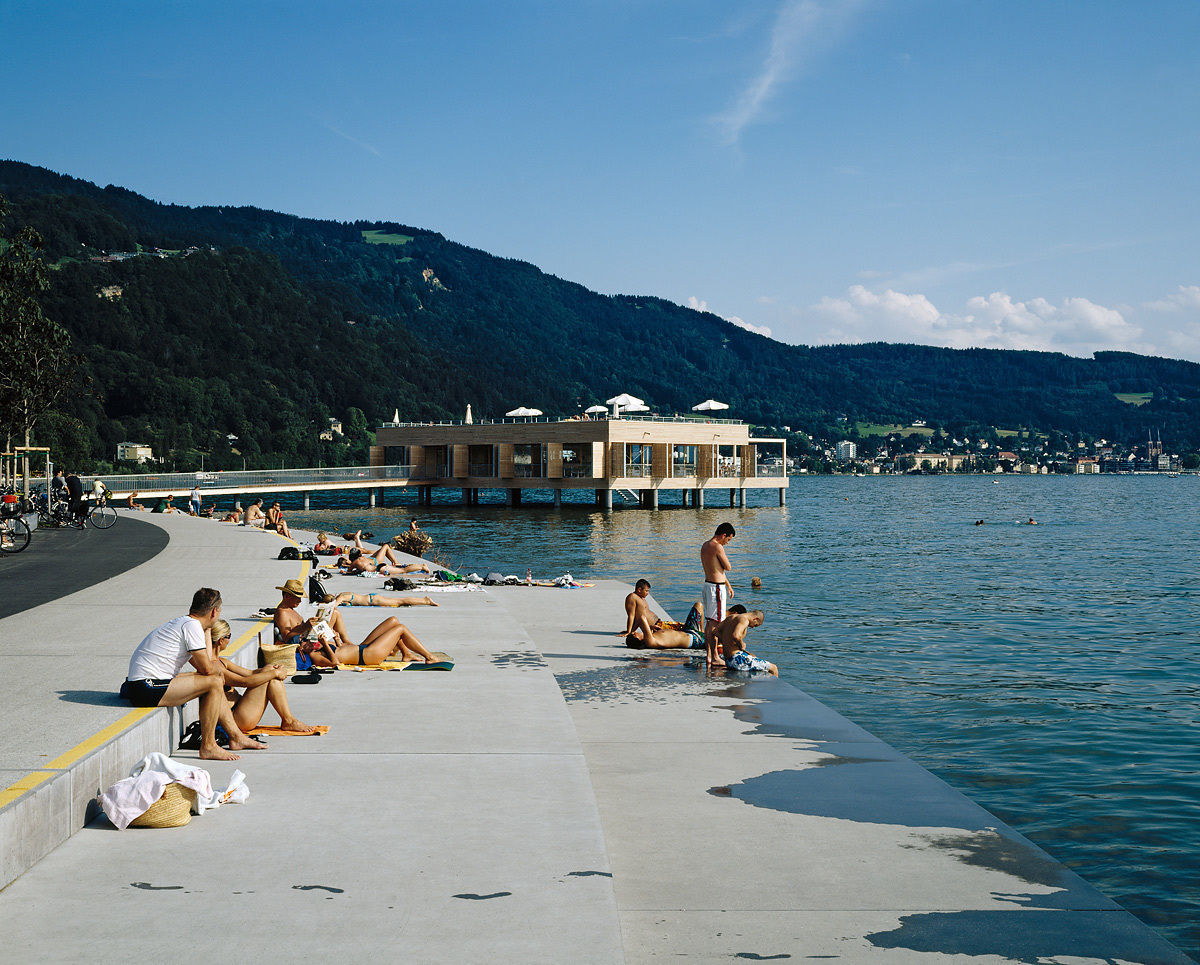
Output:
[[273, 731]]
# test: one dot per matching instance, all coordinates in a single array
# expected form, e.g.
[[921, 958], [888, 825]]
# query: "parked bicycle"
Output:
[[55, 511], [14, 531]]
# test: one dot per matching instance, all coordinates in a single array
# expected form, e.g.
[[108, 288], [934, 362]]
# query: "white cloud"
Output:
[[801, 29], [1184, 298], [700, 305], [1076, 326]]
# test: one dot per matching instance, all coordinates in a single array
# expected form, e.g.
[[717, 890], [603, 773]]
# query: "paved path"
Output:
[[59, 562], [554, 799]]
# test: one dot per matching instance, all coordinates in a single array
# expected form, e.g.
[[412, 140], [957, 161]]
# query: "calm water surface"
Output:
[[1050, 671]]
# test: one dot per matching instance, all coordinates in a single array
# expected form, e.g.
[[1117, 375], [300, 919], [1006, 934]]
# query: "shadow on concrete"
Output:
[[97, 698], [59, 562]]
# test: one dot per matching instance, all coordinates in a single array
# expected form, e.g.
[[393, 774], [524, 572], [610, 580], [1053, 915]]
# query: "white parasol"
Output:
[[624, 400], [709, 405], [596, 409], [523, 411]]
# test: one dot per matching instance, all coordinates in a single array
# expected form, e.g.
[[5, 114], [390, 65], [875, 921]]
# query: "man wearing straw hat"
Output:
[[154, 678]]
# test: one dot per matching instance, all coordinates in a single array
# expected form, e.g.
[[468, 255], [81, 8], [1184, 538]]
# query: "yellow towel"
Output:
[[273, 731]]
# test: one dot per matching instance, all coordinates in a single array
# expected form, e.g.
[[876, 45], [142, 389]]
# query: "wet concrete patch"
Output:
[[755, 957], [639, 680], [335, 891], [146, 886], [894, 792], [990, 849], [1109, 937], [589, 874], [518, 658], [474, 897]]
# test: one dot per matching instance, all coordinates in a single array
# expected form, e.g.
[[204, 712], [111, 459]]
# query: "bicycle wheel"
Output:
[[14, 534], [102, 516]]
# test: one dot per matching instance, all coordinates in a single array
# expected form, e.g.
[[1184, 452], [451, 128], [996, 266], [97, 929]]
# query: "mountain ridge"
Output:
[[328, 320]]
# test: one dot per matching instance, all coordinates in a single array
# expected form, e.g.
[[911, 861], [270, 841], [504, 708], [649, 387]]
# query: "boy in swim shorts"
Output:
[[717, 590], [731, 634]]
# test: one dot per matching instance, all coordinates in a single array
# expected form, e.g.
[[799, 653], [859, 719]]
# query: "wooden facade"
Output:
[[640, 455]]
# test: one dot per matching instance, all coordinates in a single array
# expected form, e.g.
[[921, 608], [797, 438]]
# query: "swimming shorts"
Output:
[[716, 601], [747, 662], [694, 625], [144, 693]]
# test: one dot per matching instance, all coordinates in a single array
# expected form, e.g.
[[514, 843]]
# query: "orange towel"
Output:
[[273, 731]]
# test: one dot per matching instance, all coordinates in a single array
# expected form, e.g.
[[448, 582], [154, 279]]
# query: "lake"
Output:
[[1049, 671]]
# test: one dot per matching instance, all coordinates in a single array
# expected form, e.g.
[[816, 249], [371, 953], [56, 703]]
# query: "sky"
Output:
[[997, 173]]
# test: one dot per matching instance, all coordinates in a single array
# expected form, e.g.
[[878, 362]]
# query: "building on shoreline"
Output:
[[645, 456]]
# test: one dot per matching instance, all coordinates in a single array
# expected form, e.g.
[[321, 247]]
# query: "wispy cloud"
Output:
[[349, 137], [700, 305], [801, 29]]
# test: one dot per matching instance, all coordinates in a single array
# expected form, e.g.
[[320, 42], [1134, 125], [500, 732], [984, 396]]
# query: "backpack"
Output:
[[296, 553], [396, 583], [316, 590]]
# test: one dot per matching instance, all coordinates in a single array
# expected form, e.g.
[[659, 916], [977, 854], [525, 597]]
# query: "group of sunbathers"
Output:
[[646, 631], [235, 698]]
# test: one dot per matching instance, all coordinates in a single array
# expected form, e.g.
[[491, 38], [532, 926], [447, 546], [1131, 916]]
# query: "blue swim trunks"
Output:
[[694, 625], [747, 662]]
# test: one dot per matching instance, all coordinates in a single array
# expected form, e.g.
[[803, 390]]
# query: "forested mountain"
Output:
[[275, 323]]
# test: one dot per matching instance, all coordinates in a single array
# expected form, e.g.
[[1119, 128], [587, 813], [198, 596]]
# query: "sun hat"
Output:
[[294, 587]]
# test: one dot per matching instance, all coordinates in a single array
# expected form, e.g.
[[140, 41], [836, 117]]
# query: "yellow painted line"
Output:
[[82, 749], [100, 737], [27, 783]]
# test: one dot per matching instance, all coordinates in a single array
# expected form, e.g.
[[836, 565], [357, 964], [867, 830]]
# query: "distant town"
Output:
[[919, 449]]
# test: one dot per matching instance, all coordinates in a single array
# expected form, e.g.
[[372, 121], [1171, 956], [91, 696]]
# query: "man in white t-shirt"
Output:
[[155, 680]]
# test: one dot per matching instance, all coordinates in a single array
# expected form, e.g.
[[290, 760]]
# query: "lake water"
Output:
[[1050, 672]]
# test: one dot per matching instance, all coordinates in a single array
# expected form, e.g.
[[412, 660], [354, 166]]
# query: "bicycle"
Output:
[[102, 515], [14, 531]]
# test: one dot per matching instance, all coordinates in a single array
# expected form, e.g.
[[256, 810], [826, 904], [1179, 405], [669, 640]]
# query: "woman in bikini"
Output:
[[249, 706], [329, 645]]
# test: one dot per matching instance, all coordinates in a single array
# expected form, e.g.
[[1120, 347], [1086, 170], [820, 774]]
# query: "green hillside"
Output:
[[276, 323]]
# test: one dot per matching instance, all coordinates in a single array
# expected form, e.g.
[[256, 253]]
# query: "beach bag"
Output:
[[278, 655], [399, 584], [493, 579], [316, 590], [172, 810], [289, 553]]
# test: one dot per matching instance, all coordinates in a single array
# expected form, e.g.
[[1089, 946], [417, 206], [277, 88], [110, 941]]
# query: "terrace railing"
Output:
[[181, 483], [576, 472], [638, 469], [481, 469], [769, 471]]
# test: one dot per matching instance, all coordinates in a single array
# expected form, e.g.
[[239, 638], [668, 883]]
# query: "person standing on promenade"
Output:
[[154, 678], [75, 497], [194, 501], [717, 588]]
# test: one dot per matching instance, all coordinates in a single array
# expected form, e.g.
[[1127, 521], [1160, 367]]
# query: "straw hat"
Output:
[[172, 810], [294, 587]]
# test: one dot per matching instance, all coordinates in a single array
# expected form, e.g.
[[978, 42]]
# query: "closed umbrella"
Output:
[[709, 405], [468, 420]]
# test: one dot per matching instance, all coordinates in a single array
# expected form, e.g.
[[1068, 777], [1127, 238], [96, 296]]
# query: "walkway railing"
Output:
[[182, 482]]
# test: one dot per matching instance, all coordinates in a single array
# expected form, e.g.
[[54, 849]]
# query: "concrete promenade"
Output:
[[552, 799]]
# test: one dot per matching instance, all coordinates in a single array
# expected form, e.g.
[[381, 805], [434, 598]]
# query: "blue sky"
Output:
[[1001, 173]]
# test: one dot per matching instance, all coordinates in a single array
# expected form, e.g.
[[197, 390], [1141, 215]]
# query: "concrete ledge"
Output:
[[47, 806]]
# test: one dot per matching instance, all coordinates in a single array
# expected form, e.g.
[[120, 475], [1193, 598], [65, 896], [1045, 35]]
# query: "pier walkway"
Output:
[[552, 799]]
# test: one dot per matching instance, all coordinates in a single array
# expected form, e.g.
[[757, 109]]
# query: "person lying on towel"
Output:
[[326, 643]]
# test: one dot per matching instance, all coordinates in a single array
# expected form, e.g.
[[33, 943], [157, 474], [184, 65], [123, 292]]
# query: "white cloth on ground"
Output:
[[131, 797]]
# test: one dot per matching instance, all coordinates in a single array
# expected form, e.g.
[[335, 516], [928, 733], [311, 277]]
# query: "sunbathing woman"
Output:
[[383, 560], [325, 548], [275, 521], [249, 706], [378, 599], [330, 646]]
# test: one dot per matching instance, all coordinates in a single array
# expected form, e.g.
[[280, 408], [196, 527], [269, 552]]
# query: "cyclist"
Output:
[[75, 495]]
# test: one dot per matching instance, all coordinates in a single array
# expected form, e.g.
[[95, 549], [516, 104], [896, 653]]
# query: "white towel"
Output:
[[131, 798]]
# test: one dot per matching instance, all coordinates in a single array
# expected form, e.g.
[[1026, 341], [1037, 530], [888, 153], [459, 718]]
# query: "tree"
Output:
[[39, 367]]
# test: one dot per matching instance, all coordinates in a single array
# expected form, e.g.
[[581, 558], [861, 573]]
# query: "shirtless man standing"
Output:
[[731, 634], [717, 589]]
